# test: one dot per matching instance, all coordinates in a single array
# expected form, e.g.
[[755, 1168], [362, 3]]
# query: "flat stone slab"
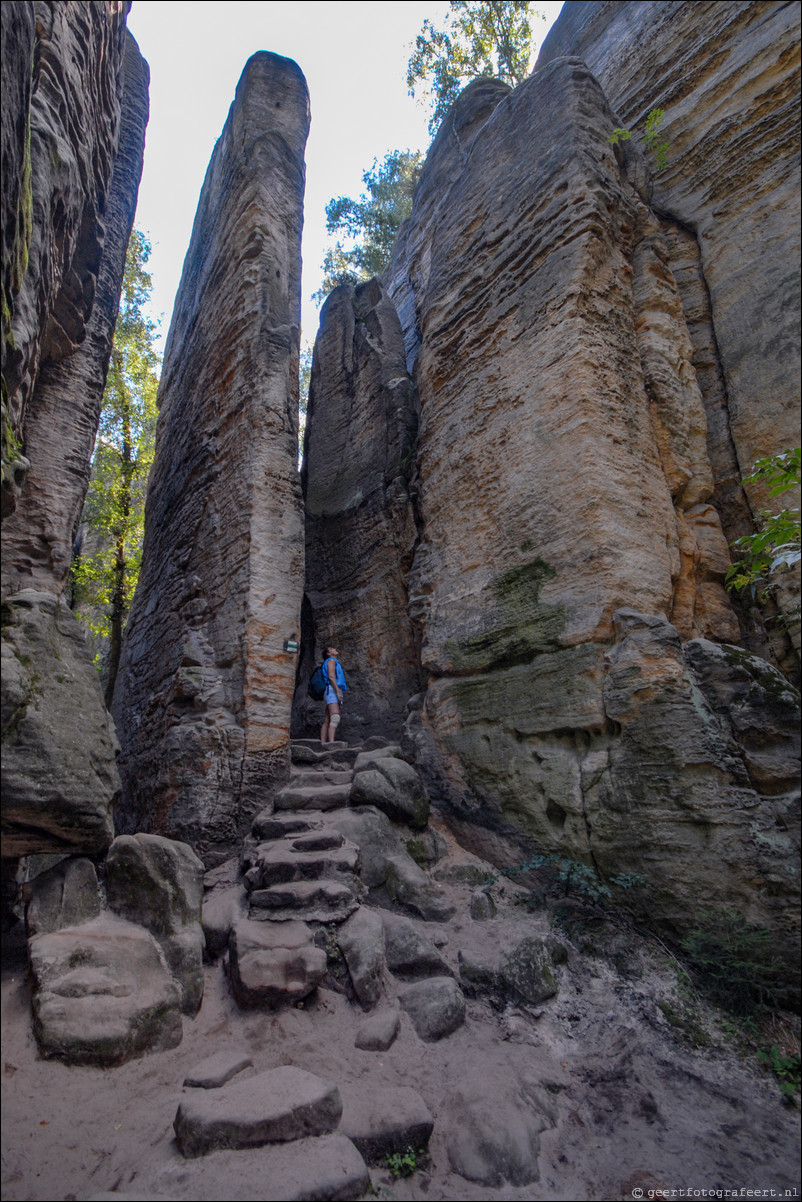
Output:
[[269, 825], [283, 1104], [273, 963], [379, 1032], [311, 901], [410, 955], [321, 1168], [313, 797], [279, 862], [382, 1121], [216, 1070], [435, 1006], [313, 778]]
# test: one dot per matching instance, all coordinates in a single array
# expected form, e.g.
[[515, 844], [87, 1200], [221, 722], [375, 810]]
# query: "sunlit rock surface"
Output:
[[205, 686]]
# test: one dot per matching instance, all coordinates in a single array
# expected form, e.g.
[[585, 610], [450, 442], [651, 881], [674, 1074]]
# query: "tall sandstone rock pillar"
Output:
[[75, 107], [582, 694], [205, 688], [360, 521]]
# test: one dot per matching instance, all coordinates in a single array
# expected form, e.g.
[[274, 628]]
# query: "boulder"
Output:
[[283, 1104], [410, 955], [361, 941], [527, 970], [219, 913], [64, 896], [496, 1144], [436, 1007], [158, 883], [273, 964], [482, 906], [378, 1032], [102, 993], [392, 786], [385, 1121]]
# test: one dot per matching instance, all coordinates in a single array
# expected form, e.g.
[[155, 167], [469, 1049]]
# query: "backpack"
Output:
[[317, 683]]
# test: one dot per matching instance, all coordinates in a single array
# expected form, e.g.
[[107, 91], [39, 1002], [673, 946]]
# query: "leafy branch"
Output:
[[653, 137], [777, 543]]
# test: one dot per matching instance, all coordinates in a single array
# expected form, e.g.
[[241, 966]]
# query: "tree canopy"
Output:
[[106, 566], [493, 39], [370, 223]]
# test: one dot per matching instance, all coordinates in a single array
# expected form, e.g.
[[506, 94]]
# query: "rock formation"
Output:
[[567, 582], [74, 116], [731, 183], [205, 685], [360, 521]]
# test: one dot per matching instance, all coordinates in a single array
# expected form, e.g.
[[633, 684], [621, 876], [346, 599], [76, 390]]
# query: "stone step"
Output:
[[269, 825], [310, 901], [316, 778], [313, 752], [273, 963], [283, 1104], [324, 797], [385, 1121], [276, 863]]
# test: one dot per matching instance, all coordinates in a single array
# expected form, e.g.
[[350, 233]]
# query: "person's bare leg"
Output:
[[332, 709], [324, 730]]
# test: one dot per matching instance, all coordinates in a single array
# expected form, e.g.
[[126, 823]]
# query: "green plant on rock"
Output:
[[776, 543], [787, 1068], [654, 141], [404, 1164]]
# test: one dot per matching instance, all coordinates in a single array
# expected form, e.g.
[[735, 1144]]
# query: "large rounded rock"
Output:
[[361, 941], [273, 963], [435, 1006], [528, 971], [102, 993], [393, 786], [66, 895]]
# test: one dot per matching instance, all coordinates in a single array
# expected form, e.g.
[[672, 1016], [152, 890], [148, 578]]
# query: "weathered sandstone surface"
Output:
[[205, 687], [360, 520], [569, 541], [75, 106], [727, 76]]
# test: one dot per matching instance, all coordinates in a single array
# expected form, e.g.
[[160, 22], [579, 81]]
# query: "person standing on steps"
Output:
[[333, 696]]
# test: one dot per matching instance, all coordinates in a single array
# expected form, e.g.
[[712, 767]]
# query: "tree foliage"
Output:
[[106, 568], [776, 544], [654, 139], [370, 223], [493, 39]]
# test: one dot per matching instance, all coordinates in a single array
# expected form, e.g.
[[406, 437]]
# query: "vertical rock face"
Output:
[[360, 523], [569, 544], [727, 76], [75, 107], [205, 687]]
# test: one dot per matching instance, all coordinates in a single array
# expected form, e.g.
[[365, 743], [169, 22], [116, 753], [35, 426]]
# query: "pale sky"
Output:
[[354, 56]]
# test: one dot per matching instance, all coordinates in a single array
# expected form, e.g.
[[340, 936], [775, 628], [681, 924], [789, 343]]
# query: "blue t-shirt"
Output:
[[339, 675]]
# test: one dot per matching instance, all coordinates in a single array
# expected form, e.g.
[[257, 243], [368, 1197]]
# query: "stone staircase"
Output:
[[295, 865]]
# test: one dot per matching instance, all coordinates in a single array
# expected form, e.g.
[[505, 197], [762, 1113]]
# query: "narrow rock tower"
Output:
[[205, 685]]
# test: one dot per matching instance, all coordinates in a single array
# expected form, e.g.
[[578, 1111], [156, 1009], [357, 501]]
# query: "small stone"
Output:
[[361, 941], [479, 971], [483, 906], [385, 1121], [216, 1070], [283, 1104], [379, 1032], [435, 1006]]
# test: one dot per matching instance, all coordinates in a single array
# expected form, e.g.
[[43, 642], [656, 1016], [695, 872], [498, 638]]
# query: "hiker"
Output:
[[333, 696]]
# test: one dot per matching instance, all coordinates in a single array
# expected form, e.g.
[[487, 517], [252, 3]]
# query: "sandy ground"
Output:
[[628, 1105]]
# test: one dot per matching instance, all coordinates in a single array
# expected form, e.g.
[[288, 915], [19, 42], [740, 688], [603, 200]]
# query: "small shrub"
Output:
[[786, 1068], [404, 1164], [733, 964]]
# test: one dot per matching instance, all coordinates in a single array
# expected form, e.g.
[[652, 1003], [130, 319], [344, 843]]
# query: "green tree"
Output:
[[371, 223], [105, 571], [776, 543], [493, 39]]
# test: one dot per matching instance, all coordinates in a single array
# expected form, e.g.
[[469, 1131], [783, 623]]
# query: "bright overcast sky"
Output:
[[354, 57]]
